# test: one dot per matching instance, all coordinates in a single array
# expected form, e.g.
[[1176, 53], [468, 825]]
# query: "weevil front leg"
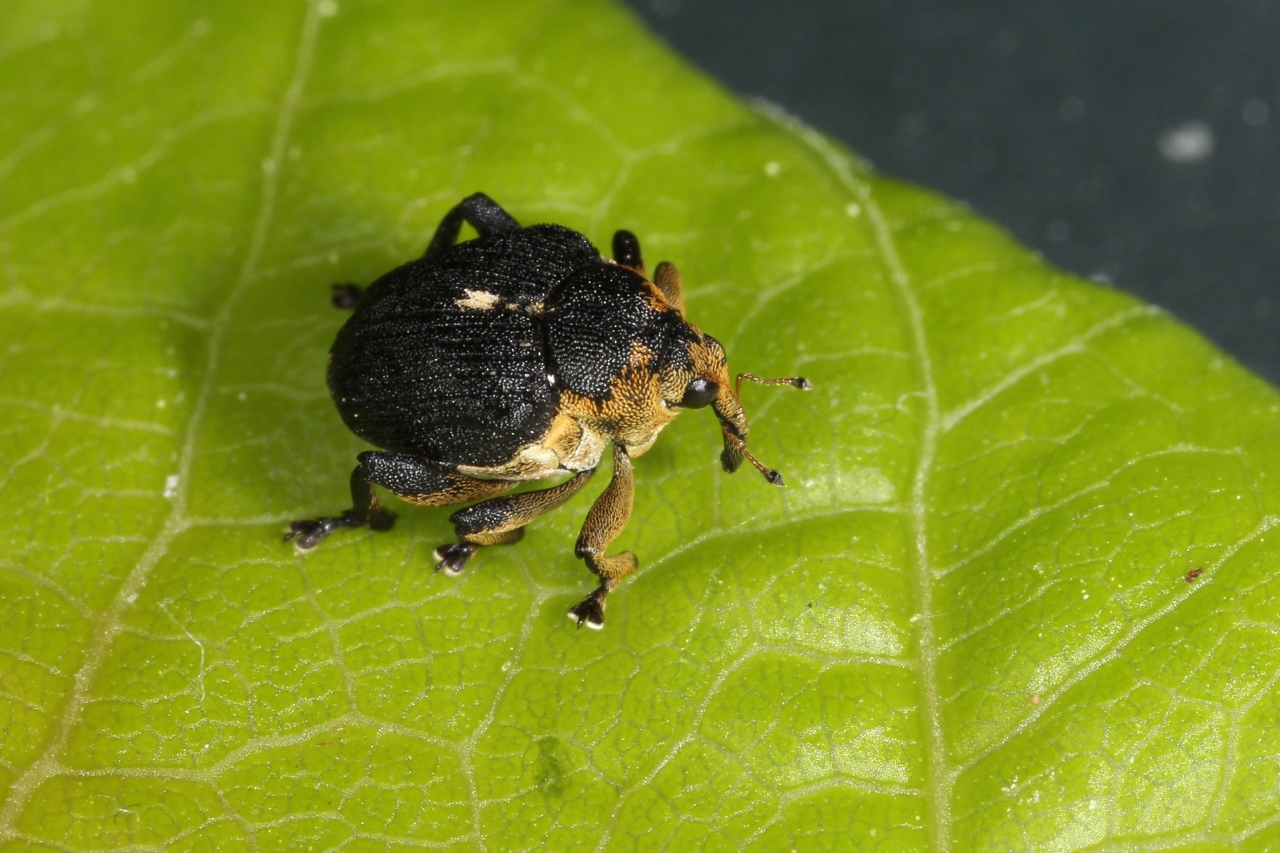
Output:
[[501, 521], [413, 479], [667, 278], [605, 522]]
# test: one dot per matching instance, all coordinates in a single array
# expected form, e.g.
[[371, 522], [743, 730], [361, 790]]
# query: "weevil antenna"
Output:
[[769, 474], [794, 381]]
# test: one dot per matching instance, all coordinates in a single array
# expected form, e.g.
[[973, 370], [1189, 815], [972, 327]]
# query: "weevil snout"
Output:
[[733, 423], [700, 376]]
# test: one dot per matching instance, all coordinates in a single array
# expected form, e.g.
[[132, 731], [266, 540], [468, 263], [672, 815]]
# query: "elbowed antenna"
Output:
[[769, 474], [734, 443], [794, 381]]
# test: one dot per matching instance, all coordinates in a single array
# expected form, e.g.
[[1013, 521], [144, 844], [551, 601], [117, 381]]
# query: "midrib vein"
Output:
[[940, 779], [110, 625]]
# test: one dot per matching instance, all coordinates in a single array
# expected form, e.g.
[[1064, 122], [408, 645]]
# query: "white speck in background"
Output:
[[1191, 142], [171, 486], [1256, 112]]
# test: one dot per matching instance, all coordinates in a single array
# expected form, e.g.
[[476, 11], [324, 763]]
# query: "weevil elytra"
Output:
[[520, 355]]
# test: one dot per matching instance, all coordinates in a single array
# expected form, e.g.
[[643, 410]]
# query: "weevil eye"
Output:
[[699, 393]]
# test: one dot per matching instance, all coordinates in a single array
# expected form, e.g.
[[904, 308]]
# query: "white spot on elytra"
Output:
[[1191, 142], [481, 300]]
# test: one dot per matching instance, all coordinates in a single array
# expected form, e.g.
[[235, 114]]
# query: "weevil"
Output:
[[520, 355]]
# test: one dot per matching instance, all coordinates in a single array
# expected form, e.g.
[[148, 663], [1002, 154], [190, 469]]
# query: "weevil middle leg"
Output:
[[501, 520], [626, 251]]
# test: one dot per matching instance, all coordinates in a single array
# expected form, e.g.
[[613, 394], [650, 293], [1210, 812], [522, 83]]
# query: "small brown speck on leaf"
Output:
[[1035, 698], [1193, 574]]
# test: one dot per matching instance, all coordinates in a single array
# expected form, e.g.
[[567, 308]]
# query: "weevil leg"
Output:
[[366, 511], [605, 521], [667, 278], [626, 251], [418, 481], [501, 521], [480, 212], [345, 295]]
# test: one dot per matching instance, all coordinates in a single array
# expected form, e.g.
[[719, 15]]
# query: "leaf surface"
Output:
[[970, 622]]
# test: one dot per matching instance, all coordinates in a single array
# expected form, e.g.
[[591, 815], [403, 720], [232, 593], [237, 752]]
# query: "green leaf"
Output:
[[967, 624]]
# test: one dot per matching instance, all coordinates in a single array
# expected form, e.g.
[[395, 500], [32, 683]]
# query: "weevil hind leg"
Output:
[[418, 481], [605, 522], [345, 296], [477, 210], [501, 521], [366, 511]]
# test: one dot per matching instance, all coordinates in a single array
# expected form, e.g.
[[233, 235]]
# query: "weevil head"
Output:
[[695, 375]]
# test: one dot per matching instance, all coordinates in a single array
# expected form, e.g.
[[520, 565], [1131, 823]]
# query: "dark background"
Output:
[[1048, 116]]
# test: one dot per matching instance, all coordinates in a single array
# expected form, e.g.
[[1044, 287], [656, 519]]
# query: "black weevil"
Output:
[[519, 356]]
